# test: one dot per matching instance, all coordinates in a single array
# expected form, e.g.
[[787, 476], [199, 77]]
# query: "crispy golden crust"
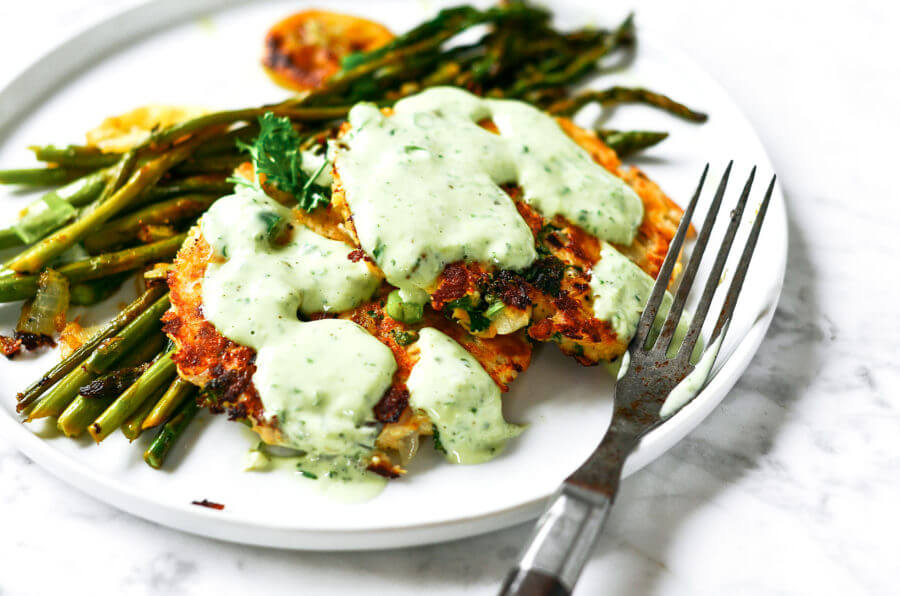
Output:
[[204, 357], [661, 214], [553, 298], [225, 368]]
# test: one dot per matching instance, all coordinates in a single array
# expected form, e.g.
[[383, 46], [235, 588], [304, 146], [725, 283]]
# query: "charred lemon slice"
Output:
[[303, 50]]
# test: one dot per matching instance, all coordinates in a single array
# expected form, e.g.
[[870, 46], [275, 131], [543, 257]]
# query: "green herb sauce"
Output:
[[320, 379], [460, 398], [424, 184], [620, 291]]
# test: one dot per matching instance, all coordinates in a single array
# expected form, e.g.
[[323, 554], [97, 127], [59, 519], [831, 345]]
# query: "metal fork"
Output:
[[565, 534]]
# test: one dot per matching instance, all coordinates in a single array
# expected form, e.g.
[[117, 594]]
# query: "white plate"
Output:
[[204, 54]]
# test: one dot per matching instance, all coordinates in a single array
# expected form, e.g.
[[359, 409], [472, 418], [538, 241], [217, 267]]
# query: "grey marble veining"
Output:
[[790, 487]]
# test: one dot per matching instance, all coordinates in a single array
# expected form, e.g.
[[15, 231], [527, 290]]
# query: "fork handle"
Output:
[[560, 545]]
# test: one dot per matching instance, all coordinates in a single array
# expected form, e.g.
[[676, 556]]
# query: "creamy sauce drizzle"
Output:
[[424, 184], [424, 187], [364, 487], [320, 378], [460, 398], [621, 289], [691, 385]]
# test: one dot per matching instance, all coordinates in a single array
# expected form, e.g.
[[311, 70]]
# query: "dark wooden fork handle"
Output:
[[531, 582], [561, 543]]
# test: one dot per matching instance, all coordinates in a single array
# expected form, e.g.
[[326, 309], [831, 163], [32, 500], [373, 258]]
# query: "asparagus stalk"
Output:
[[39, 176], [80, 413], [36, 256], [156, 453], [77, 193], [627, 95], [84, 190], [131, 335], [215, 119], [112, 384], [160, 372], [177, 392], [126, 228], [55, 401], [82, 156], [89, 293], [74, 156], [134, 425], [227, 143], [20, 287], [211, 164], [213, 184], [83, 410], [128, 314], [9, 238], [579, 66], [101, 360], [628, 142]]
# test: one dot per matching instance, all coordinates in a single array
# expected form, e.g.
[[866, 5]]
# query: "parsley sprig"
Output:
[[276, 153]]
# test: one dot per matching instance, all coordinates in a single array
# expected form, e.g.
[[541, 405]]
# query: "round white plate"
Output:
[[206, 53]]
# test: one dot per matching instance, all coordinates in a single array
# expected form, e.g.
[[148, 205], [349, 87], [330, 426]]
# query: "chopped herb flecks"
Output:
[[276, 153]]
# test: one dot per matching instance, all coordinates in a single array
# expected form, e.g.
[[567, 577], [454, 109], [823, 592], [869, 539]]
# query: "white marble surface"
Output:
[[791, 487]]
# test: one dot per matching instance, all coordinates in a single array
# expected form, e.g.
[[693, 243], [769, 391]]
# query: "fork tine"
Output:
[[712, 283], [687, 278], [738, 281], [665, 272]]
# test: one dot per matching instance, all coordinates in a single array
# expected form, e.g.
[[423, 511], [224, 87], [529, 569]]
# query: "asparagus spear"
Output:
[[39, 176], [9, 238], [213, 184], [215, 119], [628, 142], [210, 164], [112, 384], [227, 143], [83, 156], [627, 95], [18, 287], [106, 355], [55, 401], [89, 293], [125, 229], [84, 410], [77, 193], [74, 156], [156, 453], [160, 372], [177, 392], [134, 425], [36, 256], [101, 360], [580, 65], [127, 315]]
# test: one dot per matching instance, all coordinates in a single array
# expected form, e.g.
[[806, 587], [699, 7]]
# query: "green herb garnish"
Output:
[[404, 338], [436, 437], [276, 153], [494, 309], [306, 474], [274, 223], [477, 319]]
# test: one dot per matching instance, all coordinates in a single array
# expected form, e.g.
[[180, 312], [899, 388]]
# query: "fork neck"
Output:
[[602, 470]]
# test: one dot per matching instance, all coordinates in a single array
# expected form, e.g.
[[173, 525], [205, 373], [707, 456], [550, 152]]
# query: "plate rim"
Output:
[[63, 62]]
